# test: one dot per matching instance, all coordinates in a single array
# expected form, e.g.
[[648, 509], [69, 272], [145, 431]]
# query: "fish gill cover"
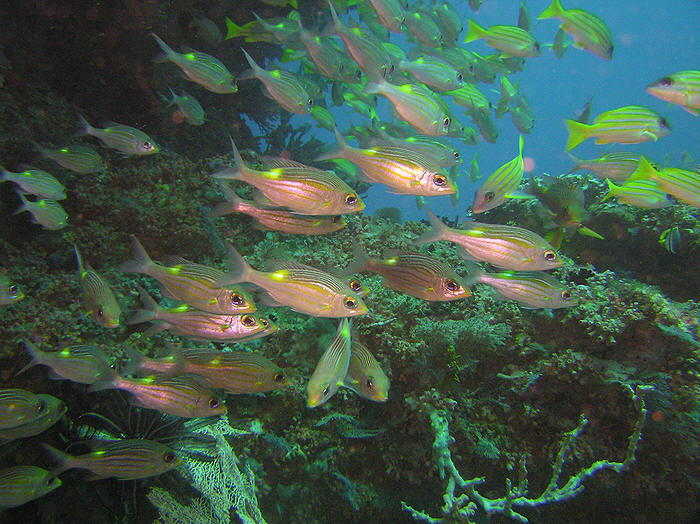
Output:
[[358, 261]]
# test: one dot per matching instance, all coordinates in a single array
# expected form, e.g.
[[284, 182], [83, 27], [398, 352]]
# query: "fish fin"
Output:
[[34, 353], [338, 152], [612, 190], [85, 127], [238, 269], [253, 65], [693, 111], [167, 55], [474, 32], [474, 272], [144, 315], [555, 9], [268, 301], [78, 259], [651, 135], [136, 361], [236, 172], [140, 262], [232, 30], [576, 161], [578, 132], [644, 171], [436, 233], [359, 262], [166, 292], [64, 460], [108, 380], [157, 327], [465, 255], [24, 206], [583, 230]]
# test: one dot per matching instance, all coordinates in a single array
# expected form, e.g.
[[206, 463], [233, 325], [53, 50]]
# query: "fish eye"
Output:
[[459, 77], [451, 285], [13, 291], [537, 46], [236, 299], [350, 303], [456, 155], [391, 69], [100, 312], [309, 102], [336, 219], [146, 145], [279, 377], [370, 383], [666, 81], [247, 320], [350, 199], [169, 457], [355, 285], [439, 180], [264, 322], [213, 403], [489, 196], [664, 123], [446, 122], [41, 406], [358, 76], [326, 390], [550, 255], [566, 294]]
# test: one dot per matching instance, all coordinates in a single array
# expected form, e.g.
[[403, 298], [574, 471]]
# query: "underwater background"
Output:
[[498, 410]]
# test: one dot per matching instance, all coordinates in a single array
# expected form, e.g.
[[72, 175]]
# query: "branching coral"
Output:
[[464, 508]]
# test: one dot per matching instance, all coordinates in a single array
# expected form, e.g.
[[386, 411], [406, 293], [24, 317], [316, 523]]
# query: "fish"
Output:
[[443, 155], [424, 28], [524, 16], [81, 364], [188, 321], [277, 219], [235, 372], [303, 288], [126, 459], [625, 125], [681, 88], [125, 139], [323, 52], [560, 43], [645, 194], [435, 73], [474, 168], [260, 30], [588, 31], [450, 20], [10, 292], [390, 13], [416, 105], [365, 50], [403, 170], [331, 369], [672, 238], [503, 182], [101, 304], [510, 40], [52, 411], [530, 289], [563, 205], [486, 125], [681, 184], [74, 157], [181, 396], [35, 182], [413, 273], [507, 247], [188, 108], [303, 189], [46, 212], [522, 115], [206, 30], [323, 117], [365, 376], [190, 283], [21, 484], [200, 68], [19, 406], [280, 85], [617, 166]]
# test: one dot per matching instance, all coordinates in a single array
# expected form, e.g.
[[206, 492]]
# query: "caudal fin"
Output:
[[578, 132], [34, 353], [168, 54], [436, 233], [338, 152], [149, 312], [140, 263], [239, 269], [359, 262], [233, 173], [232, 205], [64, 460]]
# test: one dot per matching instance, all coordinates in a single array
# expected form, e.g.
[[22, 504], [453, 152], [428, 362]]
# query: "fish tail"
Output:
[[374, 87], [148, 313], [24, 206], [255, 69], [612, 190], [232, 204], [135, 363], [360, 261], [644, 171], [3, 174], [578, 132], [64, 460], [554, 10], [109, 379], [232, 30], [168, 53], [335, 21], [474, 32], [576, 160], [78, 259], [34, 353], [85, 127], [436, 233], [238, 269], [140, 263], [338, 152], [234, 173], [39, 148], [474, 272]]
